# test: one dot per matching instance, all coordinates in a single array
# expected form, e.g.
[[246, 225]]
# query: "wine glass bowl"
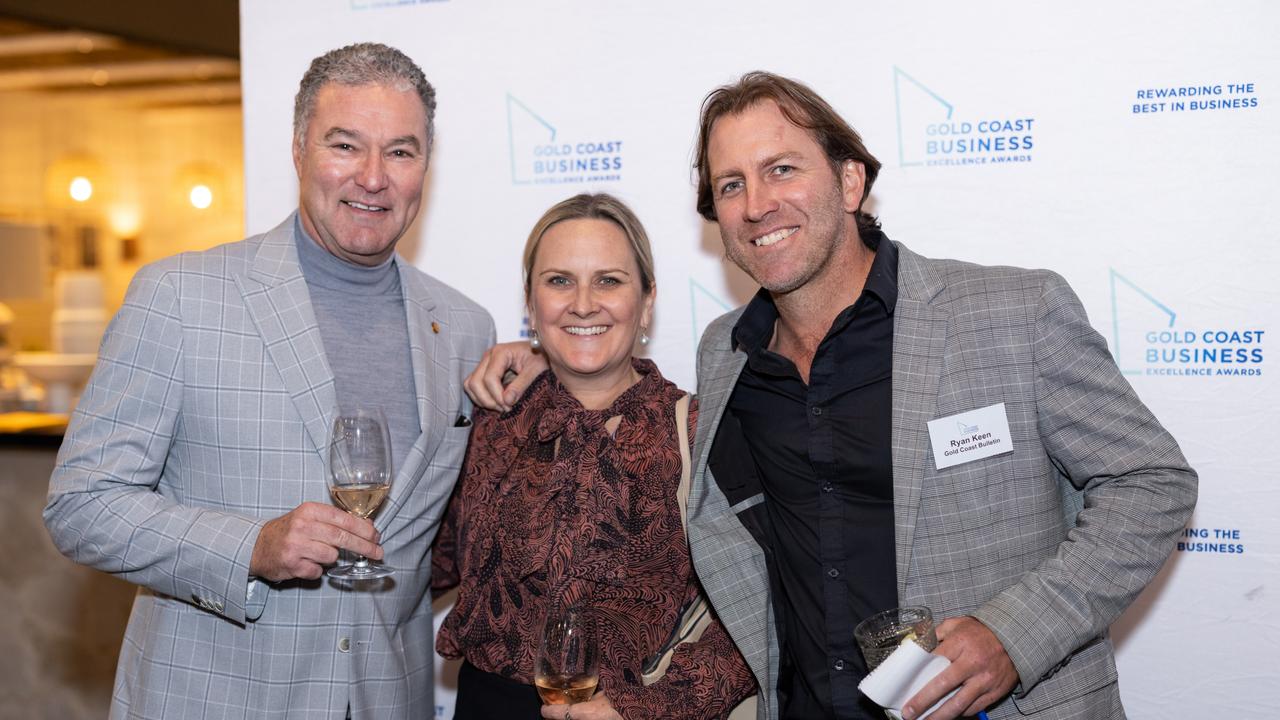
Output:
[[568, 667], [359, 475]]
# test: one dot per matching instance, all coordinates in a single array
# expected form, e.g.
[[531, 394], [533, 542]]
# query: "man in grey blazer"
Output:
[[1030, 495], [194, 465], [880, 429]]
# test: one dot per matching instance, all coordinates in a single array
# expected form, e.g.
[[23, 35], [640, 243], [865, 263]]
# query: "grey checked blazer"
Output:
[[1046, 545], [206, 416]]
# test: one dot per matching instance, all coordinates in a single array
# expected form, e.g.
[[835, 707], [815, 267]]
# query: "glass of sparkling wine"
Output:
[[568, 668], [359, 475], [879, 635]]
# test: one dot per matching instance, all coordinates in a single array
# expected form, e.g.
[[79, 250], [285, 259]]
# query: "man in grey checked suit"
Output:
[[1030, 554], [817, 492], [194, 465]]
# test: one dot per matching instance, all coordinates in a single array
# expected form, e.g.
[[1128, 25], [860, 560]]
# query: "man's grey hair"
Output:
[[362, 64]]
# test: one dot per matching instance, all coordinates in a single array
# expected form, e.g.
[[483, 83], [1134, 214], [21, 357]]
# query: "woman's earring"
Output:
[[644, 337], [534, 342]]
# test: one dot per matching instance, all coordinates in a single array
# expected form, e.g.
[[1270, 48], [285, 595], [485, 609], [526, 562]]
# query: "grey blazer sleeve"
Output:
[[108, 505], [1133, 488]]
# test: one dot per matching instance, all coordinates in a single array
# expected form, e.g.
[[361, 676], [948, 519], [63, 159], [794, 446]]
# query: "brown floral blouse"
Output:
[[553, 510]]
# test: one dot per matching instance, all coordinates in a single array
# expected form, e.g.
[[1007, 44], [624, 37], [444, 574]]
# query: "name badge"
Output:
[[970, 436]]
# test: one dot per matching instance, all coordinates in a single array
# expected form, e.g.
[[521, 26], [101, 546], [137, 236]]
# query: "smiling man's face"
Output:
[[783, 213], [360, 167]]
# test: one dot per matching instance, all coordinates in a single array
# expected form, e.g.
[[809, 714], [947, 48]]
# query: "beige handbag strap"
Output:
[[697, 616], [686, 461]]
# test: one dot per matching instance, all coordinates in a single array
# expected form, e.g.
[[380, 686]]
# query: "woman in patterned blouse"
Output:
[[570, 497]]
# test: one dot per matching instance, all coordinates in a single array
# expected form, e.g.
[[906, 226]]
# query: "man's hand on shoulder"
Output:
[[485, 385], [301, 542], [980, 667]]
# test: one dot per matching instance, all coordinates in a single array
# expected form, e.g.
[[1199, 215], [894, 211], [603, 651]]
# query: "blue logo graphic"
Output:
[[1147, 340], [931, 133], [966, 428], [540, 156], [705, 306]]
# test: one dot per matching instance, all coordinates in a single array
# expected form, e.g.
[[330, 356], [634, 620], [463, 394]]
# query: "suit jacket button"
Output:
[[344, 645]]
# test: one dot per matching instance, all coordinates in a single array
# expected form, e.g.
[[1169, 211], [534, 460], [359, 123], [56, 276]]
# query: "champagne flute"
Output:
[[568, 668], [360, 475]]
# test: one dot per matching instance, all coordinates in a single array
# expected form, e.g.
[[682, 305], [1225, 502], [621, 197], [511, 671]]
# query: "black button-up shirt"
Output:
[[822, 455]]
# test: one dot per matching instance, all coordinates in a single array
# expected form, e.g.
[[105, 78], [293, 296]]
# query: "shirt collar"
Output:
[[754, 329]]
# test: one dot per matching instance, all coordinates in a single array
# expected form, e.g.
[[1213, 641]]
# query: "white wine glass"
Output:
[[568, 667], [360, 475]]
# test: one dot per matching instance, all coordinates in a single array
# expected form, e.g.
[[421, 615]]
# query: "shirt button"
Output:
[[827, 487], [817, 411], [344, 645], [832, 572], [838, 664]]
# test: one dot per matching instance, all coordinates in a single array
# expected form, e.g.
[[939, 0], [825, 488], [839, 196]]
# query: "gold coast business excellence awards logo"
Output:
[[542, 155]]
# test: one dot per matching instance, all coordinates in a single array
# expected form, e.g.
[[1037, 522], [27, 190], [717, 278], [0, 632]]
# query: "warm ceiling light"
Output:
[[201, 197], [100, 77], [80, 189]]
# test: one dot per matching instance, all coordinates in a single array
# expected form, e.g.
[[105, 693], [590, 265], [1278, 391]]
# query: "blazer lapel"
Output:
[[919, 337], [276, 298], [713, 398], [729, 562], [428, 341]]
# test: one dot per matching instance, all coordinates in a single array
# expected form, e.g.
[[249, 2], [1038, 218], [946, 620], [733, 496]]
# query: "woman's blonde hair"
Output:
[[598, 206]]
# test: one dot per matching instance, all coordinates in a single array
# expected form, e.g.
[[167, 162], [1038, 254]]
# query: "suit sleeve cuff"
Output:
[[1031, 650]]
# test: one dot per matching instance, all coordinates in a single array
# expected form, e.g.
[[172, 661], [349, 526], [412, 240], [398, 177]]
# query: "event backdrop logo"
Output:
[[705, 306], [1221, 97], [932, 132], [1148, 338], [541, 155]]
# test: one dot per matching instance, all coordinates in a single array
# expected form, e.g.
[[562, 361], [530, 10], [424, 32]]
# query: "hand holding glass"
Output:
[[360, 475], [568, 669]]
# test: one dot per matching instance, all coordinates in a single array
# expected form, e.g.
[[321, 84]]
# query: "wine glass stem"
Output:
[[361, 562]]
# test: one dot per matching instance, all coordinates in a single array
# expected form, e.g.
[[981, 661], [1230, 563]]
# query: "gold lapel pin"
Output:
[[435, 327]]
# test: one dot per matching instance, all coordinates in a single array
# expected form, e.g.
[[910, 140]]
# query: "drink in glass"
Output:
[[879, 635], [568, 669], [360, 475]]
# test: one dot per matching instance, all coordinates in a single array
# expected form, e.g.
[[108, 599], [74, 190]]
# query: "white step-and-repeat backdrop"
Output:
[[1132, 147]]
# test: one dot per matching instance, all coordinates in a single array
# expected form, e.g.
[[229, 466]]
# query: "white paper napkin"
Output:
[[901, 676]]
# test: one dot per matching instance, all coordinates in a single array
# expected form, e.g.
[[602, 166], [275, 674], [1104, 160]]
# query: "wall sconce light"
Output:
[[125, 221], [76, 180], [201, 196], [80, 189], [200, 185]]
